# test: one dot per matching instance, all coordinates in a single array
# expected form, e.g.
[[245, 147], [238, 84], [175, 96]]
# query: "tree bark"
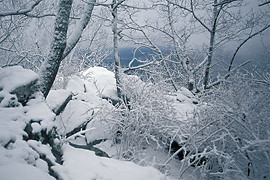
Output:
[[211, 46], [50, 66], [115, 49], [80, 26]]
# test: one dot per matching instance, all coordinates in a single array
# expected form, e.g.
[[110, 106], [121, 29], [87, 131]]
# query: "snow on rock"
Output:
[[101, 124], [42, 149], [9, 100], [19, 81], [102, 80], [87, 104], [75, 113], [12, 123], [58, 99], [85, 165], [108, 147], [76, 85], [38, 111], [186, 92], [184, 103], [18, 153]]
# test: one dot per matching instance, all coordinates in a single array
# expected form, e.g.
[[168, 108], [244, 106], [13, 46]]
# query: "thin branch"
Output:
[[267, 2], [21, 12], [139, 66], [224, 2], [192, 12], [201, 64], [226, 75], [244, 42]]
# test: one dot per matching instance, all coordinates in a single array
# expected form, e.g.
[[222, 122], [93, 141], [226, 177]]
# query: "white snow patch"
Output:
[[38, 110], [102, 80], [85, 165], [18, 171], [75, 113], [183, 104], [108, 147], [12, 123], [101, 130], [76, 85], [56, 98], [14, 77]]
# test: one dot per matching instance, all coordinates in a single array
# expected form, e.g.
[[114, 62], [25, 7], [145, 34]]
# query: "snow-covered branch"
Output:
[[80, 26], [21, 11], [226, 75]]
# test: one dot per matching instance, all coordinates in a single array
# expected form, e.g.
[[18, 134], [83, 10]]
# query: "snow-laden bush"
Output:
[[231, 132], [146, 118]]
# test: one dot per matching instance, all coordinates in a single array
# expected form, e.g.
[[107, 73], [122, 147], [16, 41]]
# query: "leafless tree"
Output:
[[222, 21]]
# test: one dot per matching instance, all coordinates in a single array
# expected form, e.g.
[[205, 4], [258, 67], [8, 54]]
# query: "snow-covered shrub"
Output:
[[147, 118], [231, 131]]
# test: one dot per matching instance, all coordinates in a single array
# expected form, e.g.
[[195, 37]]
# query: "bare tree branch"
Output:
[[21, 11], [226, 76], [80, 26], [244, 42], [267, 2]]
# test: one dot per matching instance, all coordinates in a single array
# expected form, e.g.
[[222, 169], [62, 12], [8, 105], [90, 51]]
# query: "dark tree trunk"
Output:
[[50, 66]]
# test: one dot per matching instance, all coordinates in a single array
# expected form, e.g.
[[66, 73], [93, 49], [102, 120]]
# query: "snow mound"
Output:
[[87, 104], [184, 103], [18, 153], [38, 111], [18, 171], [102, 80], [85, 165], [14, 77], [57, 99], [12, 123]]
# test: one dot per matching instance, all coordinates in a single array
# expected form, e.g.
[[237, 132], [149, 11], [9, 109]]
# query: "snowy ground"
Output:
[[29, 157]]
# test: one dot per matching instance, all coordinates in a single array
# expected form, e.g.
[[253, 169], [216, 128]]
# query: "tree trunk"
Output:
[[115, 50], [50, 66], [211, 46], [80, 26]]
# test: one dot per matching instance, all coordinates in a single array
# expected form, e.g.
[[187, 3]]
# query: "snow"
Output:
[[16, 154], [12, 122], [15, 76], [85, 165], [102, 80], [18, 171], [56, 98], [38, 110], [101, 130], [9, 100], [87, 103], [42, 149], [23, 157], [108, 147], [76, 85], [96, 80], [183, 104], [75, 113]]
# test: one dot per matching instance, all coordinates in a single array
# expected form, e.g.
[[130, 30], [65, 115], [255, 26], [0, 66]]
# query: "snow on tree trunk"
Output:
[[211, 46], [80, 26], [50, 66], [115, 49]]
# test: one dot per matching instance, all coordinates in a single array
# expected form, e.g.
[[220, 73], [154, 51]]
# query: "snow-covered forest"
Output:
[[134, 89]]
